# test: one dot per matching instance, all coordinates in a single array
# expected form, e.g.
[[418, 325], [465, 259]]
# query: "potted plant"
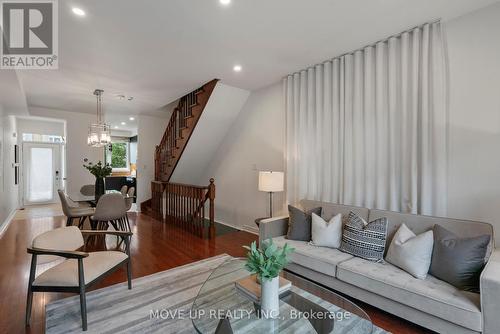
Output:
[[267, 262], [100, 172]]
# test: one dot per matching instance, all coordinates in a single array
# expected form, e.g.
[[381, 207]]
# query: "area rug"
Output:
[[116, 309]]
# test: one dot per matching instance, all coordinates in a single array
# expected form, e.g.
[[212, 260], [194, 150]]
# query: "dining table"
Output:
[[81, 198]]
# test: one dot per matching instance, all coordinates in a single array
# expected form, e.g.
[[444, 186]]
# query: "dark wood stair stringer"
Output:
[[179, 130]]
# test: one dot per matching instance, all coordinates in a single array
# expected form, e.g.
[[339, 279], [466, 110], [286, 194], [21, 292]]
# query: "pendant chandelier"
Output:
[[99, 132]]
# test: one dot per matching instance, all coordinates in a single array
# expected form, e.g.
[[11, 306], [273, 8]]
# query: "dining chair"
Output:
[[79, 271], [123, 190], [129, 200], [72, 210], [88, 190], [110, 209]]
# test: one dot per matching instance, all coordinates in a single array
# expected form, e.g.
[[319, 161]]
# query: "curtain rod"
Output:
[[388, 38], [371, 44]]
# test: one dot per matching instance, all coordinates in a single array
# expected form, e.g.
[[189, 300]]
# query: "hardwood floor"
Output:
[[155, 247]]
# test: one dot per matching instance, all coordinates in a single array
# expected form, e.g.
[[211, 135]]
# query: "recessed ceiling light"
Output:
[[225, 2], [116, 126], [131, 118], [78, 11], [123, 123], [237, 68]]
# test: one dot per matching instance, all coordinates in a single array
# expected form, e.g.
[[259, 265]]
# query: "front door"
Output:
[[42, 172]]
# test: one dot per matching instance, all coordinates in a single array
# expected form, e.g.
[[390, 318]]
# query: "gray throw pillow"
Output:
[[458, 261], [365, 240], [299, 223]]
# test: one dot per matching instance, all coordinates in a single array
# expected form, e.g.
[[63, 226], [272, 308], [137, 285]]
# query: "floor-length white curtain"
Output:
[[370, 128]]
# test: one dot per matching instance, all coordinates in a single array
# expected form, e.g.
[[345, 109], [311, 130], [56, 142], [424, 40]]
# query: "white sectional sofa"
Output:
[[431, 303]]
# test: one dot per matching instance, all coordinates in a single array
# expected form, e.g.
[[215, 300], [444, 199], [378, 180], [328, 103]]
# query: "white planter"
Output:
[[270, 302]]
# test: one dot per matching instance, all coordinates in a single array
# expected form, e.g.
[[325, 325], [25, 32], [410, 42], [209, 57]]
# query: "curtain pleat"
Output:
[[369, 128]]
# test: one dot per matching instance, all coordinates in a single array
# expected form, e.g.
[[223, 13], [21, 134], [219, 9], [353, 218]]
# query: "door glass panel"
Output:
[[41, 172]]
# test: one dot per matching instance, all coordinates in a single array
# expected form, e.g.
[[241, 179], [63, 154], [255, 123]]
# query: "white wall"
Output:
[[254, 142], [76, 145], [9, 194], [474, 158], [39, 126], [149, 134], [219, 114]]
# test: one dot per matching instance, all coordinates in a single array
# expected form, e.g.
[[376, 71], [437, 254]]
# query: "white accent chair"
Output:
[[79, 270]]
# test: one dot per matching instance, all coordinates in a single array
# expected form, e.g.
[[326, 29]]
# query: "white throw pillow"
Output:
[[326, 234], [410, 252]]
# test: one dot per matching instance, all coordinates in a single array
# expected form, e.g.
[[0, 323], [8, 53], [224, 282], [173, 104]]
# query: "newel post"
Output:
[[211, 196], [157, 163]]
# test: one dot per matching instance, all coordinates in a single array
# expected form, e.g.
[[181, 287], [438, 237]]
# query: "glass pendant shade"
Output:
[[99, 135], [99, 132]]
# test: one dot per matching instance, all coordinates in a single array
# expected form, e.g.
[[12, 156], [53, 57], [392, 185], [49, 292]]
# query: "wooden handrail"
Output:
[[184, 205], [185, 184]]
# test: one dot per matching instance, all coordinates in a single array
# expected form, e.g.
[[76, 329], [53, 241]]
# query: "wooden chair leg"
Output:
[[81, 221], [29, 299], [69, 221], [128, 223], [83, 302], [29, 303], [129, 274]]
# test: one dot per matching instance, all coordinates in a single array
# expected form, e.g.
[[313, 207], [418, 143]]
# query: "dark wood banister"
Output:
[[184, 205]]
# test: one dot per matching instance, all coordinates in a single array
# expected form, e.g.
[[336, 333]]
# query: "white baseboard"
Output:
[[246, 228], [7, 221], [251, 229]]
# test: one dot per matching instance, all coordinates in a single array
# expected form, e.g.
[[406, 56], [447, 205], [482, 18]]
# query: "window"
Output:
[[118, 155], [34, 137]]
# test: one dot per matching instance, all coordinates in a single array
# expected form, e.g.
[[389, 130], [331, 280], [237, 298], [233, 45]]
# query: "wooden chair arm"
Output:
[[62, 253]]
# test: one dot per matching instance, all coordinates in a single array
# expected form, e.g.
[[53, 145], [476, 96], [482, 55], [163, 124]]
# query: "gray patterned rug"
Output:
[[116, 309]]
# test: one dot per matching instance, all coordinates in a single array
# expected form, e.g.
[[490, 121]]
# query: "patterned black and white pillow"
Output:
[[364, 240]]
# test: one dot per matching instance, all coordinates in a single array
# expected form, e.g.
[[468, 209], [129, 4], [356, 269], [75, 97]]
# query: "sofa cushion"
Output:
[[431, 295], [411, 252], [66, 273], [320, 259], [326, 233], [366, 240], [458, 261], [299, 223]]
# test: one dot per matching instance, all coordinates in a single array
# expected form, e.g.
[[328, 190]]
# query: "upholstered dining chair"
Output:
[[129, 200], [72, 210], [110, 209], [123, 190], [88, 190], [79, 271]]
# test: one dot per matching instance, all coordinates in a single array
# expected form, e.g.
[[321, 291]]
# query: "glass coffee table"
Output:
[[221, 308]]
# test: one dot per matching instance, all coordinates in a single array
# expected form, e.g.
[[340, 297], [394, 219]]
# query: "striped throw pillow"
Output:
[[364, 240]]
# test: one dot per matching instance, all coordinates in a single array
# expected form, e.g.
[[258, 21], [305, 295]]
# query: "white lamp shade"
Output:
[[271, 181]]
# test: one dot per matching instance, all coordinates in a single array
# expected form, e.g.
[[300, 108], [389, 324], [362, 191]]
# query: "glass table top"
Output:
[[221, 307], [78, 197]]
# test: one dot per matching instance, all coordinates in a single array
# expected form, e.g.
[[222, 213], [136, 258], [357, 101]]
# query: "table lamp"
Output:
[[271, 182]]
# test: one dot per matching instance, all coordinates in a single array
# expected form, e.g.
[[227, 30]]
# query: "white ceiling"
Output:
[[159, 50]]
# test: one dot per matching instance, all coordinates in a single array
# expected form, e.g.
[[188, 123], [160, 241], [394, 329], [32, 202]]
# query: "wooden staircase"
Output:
[[181, 204], [179, 129]]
